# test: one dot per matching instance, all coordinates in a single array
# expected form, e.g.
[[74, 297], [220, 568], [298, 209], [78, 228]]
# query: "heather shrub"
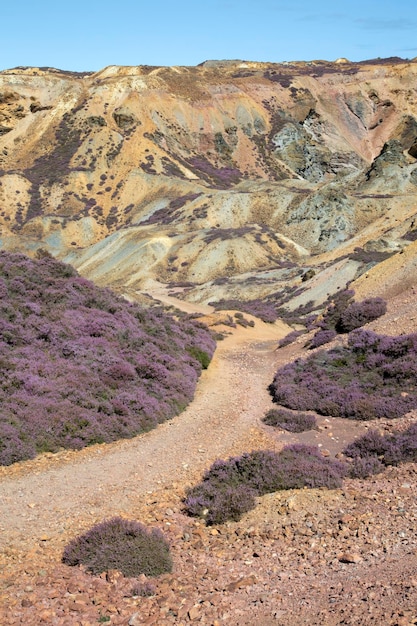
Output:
[[242, 321], [344, 315], [144, 590], [228, 488], [79, 365], [363, 467], [338, 304], [123, 545], [371, 443], [294, 422], [322, 337], [369, 257], [358, 314], [290, 338], [217, 504], [200, 355], [374, 451], [372, 377]]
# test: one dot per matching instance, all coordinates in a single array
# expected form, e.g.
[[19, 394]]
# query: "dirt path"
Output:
[[42, 498]]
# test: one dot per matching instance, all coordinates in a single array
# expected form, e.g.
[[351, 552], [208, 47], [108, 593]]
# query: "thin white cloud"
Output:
[[384, 25]]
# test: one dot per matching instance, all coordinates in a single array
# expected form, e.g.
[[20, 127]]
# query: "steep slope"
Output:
[[228, 170], [80, 366]]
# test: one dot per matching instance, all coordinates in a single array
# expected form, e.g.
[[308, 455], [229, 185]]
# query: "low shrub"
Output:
[[258, 308], [143, 590], [339, 302], [362, 467], [344, 315], [372, 377], [371, 443], [292, 421], [373, 451], [321, 338], [229, 488], [242, 321], [202, 357], [290, 338], [123, 545], [358, 314], [217, 503]]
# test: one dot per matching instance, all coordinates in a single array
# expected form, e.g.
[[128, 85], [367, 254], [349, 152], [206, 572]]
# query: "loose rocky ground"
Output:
[[302, 557]]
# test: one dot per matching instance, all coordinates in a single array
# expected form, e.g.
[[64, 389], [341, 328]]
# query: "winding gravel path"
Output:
[[44, 497]]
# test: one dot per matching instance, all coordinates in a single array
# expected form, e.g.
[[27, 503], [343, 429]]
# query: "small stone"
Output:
[[194, 612], [246, 581], [46, 616], [78, 607], [113, 576], [280, 613], [135, 620], [292, 504], [350, 557]]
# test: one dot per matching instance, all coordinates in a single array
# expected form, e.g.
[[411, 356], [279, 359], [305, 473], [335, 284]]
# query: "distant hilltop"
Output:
[[215, 63], [229, 179]]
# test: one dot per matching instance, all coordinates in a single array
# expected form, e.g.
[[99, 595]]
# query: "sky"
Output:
[[89, 35]]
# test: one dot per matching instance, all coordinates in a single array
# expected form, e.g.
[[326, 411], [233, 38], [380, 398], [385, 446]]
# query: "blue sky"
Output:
[[88, 35]]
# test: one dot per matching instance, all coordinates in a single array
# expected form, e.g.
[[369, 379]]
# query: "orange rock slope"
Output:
[[228, 170]]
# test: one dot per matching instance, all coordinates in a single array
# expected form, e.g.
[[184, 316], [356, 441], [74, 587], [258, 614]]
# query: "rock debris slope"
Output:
[[236, 171]]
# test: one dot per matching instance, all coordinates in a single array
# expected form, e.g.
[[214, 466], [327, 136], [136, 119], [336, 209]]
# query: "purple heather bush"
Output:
[[358, 314], [229, 488], [143, 590], [322, 337], [123, 545], [290, 338], [344, 315], [293, 421], [222, 178], [338, 304], [80, 365], [373, 376], [373, 451]]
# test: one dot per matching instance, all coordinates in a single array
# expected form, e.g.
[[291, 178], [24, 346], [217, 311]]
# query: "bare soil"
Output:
[[346, 556]]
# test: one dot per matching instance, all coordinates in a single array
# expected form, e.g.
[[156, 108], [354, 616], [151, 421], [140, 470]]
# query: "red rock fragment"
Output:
[[245, 581]]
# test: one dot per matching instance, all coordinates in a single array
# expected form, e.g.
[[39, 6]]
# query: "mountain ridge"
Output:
[[225, 170]]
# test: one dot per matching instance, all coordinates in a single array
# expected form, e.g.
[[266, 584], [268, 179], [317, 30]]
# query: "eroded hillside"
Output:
[[233, 178]]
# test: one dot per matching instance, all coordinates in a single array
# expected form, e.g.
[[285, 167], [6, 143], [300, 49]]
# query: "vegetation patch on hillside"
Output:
[[372, 377], [124, 545], [292, 421], [372, 452], [229, 488], [80, 365]]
